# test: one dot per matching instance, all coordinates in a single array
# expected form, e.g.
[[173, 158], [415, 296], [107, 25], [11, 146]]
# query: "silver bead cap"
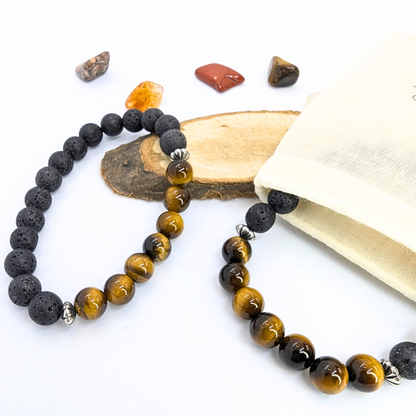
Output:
[[391, 373], [180, 154], [245, 232], [68, 314]]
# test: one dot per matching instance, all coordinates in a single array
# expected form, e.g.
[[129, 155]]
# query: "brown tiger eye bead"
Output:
[[170, 224], [90, 303], [179, 172], [176, 199], [365, 373], [297, 352], [233, 277], [157, 246], [328, 375], [248, 303], [267, 330], [139, 267], [119, 289], [236, 250]]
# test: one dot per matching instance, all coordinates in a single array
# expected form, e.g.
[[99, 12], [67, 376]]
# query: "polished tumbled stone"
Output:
[[146, 95], [94, 67], [282, 73], [219, 77]]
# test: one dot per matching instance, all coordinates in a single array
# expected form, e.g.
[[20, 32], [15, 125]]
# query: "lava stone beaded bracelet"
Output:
[[45, 308], [327, 374]]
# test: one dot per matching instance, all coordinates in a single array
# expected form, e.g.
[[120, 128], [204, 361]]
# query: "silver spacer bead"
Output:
[[68, 314], [391, 373], [245, 232], [180, 154]]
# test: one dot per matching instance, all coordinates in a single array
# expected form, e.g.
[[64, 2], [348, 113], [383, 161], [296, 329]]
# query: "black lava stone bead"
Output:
[[166, 122], [132, 120], [49, 178], [149, 118], [23, 289], [76, 147], [45, 308], [92, 134], [260, 217], [39, 198], [171, 140], [30, 217], [24, 237], [282, 202], [403, 357], [61, 161], [20, 261], [112, 124]]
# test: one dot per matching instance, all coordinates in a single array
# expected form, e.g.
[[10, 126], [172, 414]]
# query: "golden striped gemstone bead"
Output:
[[248, 303], [90, 303], [119, 289], [139, 267]]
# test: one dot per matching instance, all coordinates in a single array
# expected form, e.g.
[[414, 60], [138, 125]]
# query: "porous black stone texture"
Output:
[[112, 124], [282, 202], [61, 161], [92, 134], [23, 289], [39, 198], [171, 140], [24, 237], [132, 120], [49, 178], [166, 122], [30, 217], [76, 147], [20, 261], [45, 308], [403, 357], [260, 217], [149, 118]]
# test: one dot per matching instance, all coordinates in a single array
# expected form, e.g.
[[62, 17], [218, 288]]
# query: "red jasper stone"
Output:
[[219, 77]]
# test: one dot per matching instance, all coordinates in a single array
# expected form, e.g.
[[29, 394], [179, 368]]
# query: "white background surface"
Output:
[[177, 348]]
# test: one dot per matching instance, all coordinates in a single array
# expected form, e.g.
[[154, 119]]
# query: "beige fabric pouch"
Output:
[[351, 157]]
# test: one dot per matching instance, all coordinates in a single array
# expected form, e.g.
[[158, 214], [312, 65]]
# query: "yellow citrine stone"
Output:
[[146, 95]]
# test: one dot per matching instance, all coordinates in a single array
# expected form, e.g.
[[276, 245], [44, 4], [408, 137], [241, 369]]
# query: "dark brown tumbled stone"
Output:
[[94, 67], [282, 73]]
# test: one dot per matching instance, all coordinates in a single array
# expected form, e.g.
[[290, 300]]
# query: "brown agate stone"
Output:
[[170, 224], [267, 330], [179, 172], [119, 289], [248, 303], [233, 277], [139, 267], [176, 199], [94, 67], [329, 375], [146, 95], [90, 303], [297, 352], [219, 77], [282, 73], [236, 250], [157, 246], [365, 373]]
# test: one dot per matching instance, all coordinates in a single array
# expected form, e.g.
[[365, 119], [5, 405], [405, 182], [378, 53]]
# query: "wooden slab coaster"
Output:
[[227, 151]]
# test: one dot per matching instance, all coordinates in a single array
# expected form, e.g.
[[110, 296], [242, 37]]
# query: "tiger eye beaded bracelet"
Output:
[[45, 308], [327, 374]]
